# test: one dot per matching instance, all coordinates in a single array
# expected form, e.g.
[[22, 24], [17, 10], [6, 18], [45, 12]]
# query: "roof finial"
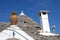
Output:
[[22, 13]]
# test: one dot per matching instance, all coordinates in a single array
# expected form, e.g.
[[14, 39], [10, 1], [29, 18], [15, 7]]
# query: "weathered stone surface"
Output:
[[4, 25], [30, 27], [12, 39]]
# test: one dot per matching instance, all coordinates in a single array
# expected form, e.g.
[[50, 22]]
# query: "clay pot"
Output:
[[13, 18]]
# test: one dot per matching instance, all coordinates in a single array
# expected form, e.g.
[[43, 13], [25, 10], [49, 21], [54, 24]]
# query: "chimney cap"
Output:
[[44, 11]]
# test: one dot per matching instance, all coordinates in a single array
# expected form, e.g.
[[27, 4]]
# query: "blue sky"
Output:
[[31, 8]]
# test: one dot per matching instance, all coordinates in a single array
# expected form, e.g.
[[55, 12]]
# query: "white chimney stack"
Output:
[[44, 21]]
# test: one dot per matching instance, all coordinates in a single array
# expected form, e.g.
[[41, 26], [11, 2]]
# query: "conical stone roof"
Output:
[[30, 27]]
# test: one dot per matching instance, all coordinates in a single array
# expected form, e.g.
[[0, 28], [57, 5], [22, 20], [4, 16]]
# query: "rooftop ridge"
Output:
[[22, 13]]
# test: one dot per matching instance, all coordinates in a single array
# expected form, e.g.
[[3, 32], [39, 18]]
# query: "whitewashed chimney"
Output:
[[44, 21]]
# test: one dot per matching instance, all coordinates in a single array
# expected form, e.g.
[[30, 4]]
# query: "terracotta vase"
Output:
[[13, 18]]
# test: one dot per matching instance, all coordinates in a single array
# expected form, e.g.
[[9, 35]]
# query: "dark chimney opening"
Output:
[[44, 13]]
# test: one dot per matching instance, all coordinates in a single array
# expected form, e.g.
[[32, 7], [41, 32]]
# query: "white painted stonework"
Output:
[[48, 34], [22, 13], [44, 22], [19, 34]]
